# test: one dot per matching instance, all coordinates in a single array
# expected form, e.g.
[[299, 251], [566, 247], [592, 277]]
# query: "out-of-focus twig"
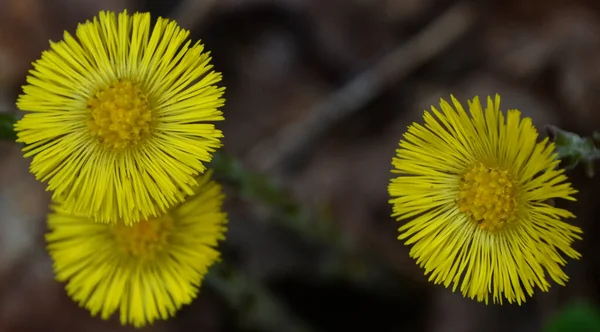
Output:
[[298, 137], [189, 13]]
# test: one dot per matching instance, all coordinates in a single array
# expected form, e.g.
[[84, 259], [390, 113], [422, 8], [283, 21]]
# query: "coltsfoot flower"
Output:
[[120, 120], [146, 271], [475, 189]]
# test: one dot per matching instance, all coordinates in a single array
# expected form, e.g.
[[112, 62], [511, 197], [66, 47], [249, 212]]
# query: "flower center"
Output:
[[145, 238], [488, 196], [119, 115]]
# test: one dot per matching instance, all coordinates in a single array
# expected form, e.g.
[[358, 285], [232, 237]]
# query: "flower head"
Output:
[[476, 190], [146, 271], [119, 120]]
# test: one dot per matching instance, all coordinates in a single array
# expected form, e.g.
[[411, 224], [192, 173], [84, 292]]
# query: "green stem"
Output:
[[574, 150], [7, 131], [339, 257], [258, 307]]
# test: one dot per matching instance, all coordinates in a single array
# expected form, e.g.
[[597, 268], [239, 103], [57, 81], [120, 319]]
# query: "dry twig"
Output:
[[190, 13], [300, 136]]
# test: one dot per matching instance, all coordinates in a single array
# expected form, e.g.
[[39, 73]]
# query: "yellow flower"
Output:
[[146, 271], [119, 120], [476, 190]]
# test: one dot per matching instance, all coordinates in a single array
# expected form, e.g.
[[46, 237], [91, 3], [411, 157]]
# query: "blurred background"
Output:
[[318, 95]]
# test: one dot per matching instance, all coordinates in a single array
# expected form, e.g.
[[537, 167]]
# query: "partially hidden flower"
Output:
[[146, 271], [476, 192], [120, 119]]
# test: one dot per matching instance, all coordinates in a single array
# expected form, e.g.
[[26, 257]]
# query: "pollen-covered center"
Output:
[[488, 196], [145, 238], [119, 114]]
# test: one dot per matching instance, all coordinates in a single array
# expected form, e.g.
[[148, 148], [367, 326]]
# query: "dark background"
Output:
[[322, 255]]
